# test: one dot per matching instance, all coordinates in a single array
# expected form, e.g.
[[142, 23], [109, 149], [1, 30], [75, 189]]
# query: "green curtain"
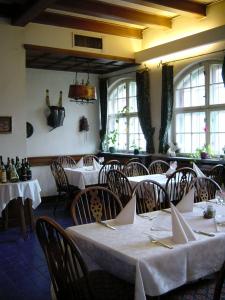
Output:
[[223, 71], [166, 107], [144, 108], [103, 85]]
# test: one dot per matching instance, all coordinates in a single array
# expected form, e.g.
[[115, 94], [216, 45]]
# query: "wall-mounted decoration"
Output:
[[5, 124], [57, 113], [29, 129], [83, 124]]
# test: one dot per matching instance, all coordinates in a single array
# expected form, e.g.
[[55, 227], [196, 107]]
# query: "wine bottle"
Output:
[[28, 169], [13, 173], [23, 171], [60, 99], [3, 173], [18, 167]]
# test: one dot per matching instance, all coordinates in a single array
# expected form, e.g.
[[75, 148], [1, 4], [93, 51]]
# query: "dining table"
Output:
[[20, 191], [82, 177], [160, 178], [145, 254]]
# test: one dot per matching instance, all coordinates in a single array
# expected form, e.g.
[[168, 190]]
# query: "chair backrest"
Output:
[[108, 165], [205, 189], [94, 204], [135, 169], [217, 173], [60, 177], [134, 159], [66, 161], [88, 159], [158, 167], [65, 264], [119, 184], [179, 183], [150, 196]]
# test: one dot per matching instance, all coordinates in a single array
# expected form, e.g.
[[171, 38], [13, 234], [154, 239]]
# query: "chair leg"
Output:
[[56, 203], [6, 218], [31, 215]]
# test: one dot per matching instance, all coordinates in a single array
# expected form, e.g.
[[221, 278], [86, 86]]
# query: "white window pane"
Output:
[[121, 104], [198, 122], [216, 73], [198, 77], [198, 141], [132, 89], [122, 90], [198, 96], [132, 104], [187, 97], [134, 125], [122, 125], [217, 94], [217, 119], [184, 142], [122, 141], [217, 142]]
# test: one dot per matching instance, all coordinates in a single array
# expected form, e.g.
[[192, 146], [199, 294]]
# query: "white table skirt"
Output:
[[155, 270], [23, 189], [81, 177], [160, 178]]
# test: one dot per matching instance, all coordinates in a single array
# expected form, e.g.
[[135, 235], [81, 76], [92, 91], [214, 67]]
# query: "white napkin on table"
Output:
[[182, 232], [198, 171], [96, 165], [172, 168], [80, 163], [186, 203], [128, 213]]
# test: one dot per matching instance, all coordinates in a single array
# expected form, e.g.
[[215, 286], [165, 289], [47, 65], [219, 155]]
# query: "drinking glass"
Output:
[[219, 197]]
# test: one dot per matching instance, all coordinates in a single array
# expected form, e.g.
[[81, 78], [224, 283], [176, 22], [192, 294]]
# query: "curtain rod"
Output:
[[199, 55]]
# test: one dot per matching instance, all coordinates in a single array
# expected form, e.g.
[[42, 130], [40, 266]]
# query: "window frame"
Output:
[[127, 115], [207, 108]]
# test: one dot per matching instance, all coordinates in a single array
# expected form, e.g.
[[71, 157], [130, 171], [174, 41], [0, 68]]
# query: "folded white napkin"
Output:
[[128, 213], [96, 165], [172, 168], [186, 203], [198, 171], [182, 232], [80, 163]]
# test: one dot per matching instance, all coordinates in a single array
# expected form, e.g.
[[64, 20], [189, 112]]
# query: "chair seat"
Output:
[[106, 286]]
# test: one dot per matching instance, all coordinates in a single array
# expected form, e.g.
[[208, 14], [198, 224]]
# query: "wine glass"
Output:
[[219, 197]]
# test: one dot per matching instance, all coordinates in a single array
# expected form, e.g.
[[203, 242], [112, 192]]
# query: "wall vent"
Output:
[[87, 41]]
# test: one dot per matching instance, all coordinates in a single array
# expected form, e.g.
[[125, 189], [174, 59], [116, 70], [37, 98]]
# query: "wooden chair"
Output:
[[108, 165], [69, 274], [134, 159], [95, 204], [118, 183], [205, 189], [88, 159], [179, 183], [66, 161], [135, 169], [158, 167], [64, 189], [150, 196], [217, 173]]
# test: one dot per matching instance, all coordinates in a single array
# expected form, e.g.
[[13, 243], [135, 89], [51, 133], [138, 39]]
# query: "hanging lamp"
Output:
[[83, 93]]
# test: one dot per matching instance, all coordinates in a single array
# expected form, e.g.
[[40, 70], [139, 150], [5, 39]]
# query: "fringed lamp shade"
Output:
[[82, 92]]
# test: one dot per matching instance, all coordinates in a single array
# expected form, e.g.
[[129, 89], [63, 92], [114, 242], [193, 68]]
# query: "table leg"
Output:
[[22, 218], [31, 215]]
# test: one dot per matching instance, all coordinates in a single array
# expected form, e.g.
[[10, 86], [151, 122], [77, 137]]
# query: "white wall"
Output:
[[65, 139], [12, 87]]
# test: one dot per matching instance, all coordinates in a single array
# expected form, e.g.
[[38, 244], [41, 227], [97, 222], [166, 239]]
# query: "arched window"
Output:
[[123, 118], [199, 109]]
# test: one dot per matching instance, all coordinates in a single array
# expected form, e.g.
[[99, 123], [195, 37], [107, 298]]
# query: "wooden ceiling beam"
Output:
[[89, 55], [111, 12], [174, 5], [29, 11], [88, 25]]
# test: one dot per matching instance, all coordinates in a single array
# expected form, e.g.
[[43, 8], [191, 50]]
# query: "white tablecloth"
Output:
[[128, 253], [81, 177], [23, 189], [160, 178]]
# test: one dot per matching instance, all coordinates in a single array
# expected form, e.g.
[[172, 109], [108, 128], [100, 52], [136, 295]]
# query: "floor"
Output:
[[23, 270]]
